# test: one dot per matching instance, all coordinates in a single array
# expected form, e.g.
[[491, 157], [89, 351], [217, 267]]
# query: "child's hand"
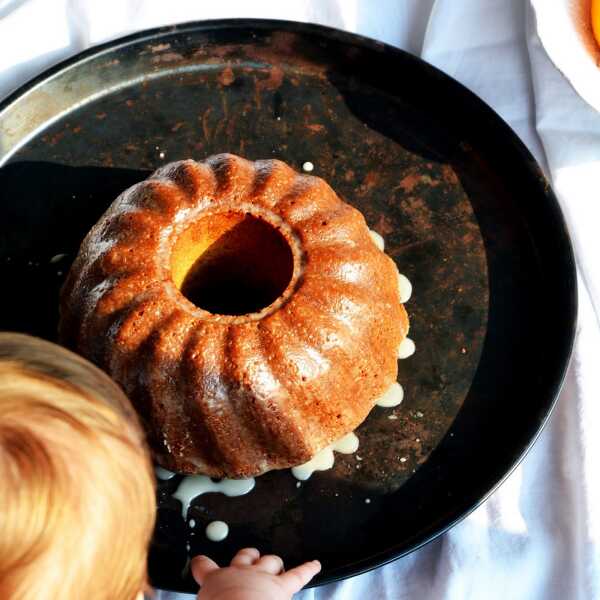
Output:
[[250, 577]]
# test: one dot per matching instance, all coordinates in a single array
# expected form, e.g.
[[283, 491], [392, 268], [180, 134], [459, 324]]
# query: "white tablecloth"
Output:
[[538, 536]]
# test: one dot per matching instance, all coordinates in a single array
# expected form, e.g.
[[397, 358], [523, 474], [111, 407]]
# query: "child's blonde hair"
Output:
[[77, 500]]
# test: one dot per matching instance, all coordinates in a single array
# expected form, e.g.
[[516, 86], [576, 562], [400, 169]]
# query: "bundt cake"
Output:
[[243, 307]]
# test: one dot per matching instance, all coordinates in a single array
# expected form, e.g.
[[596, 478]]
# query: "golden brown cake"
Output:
[[243, 307]]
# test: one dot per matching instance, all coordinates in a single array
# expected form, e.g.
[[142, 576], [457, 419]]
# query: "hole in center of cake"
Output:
[[232, 263]]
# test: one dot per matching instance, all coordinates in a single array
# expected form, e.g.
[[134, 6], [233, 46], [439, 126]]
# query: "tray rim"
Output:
[[556, 380]]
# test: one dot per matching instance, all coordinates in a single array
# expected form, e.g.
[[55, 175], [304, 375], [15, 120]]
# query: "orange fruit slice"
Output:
[[596, 19]]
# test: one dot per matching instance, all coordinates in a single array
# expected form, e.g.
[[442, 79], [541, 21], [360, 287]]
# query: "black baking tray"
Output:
[[464, 209]]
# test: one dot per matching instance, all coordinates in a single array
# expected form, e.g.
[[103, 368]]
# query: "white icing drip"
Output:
[[405, 288], [392, 397], [57, 258], [217, 531], [308, 166], [163, 474], [406, 348], [321, 461], [378, 239], [324, 460], [193, 486], [346, 445]]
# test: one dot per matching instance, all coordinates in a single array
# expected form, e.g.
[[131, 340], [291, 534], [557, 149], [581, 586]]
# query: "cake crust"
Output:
[[235, 395]]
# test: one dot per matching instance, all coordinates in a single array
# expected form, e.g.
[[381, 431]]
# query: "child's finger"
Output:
[[295, 579], [270, 564], [201, 566], [245, 557]]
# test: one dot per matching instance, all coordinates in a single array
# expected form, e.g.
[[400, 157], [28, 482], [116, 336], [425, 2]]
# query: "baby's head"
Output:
[[77, 504]]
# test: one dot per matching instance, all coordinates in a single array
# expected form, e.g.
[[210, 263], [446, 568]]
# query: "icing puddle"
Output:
[[378, 239], [393, 397], [405, 287], [406, 348], [217, 531], [193, 486], [324, 460]]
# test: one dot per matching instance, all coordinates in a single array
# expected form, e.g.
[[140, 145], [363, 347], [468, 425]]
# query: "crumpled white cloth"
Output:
[[538, 536]]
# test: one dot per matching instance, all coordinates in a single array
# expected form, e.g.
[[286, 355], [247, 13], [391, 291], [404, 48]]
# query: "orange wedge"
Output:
[[596, 19]]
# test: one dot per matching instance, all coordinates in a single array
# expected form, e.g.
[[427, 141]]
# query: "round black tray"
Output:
[[464, 209]]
